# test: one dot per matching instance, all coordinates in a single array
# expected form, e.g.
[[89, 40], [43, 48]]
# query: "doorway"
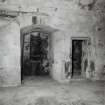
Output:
[[35, 52], [76, 57], [79, 55]]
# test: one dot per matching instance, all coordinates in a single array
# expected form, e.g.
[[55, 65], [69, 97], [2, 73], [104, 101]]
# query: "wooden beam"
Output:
[[13, 14], [7, 13]]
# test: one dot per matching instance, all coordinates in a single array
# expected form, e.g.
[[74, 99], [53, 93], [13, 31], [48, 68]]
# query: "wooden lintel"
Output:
[[11, 13], [7, 13]]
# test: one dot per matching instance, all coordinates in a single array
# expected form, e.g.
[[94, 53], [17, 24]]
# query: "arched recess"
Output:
[[32, 29]]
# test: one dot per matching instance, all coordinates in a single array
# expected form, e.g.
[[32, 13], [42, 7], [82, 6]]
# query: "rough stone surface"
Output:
[[39, 91], [71, 21], [10, 54]]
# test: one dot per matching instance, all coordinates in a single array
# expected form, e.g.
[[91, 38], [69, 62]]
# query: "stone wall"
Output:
[[9, 53], [72, 18]]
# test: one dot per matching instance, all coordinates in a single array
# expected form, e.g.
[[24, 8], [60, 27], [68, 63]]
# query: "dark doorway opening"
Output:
[[35, 49], [76, 58]]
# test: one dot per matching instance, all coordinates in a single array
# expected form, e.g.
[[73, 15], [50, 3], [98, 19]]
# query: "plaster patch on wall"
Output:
[[68, 71]]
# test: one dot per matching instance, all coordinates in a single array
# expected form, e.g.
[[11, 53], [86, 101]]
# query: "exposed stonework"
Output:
[[89, 4]]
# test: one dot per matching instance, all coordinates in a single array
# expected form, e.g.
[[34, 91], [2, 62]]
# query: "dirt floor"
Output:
[[45, 91]]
